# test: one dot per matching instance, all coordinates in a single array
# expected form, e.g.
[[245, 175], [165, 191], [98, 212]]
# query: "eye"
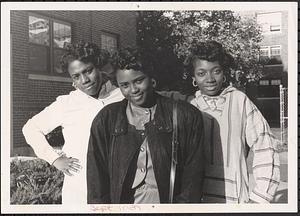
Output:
[[200, 73], [124, 85], [139, 81], [218, 71], [76, 77], [89, 71]]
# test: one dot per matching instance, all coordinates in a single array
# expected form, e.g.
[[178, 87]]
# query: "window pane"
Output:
[[275, 28], [38, 30], [264, 52], [57, 56], [275, 82], [38, 58], [61, 34], [275, 51], [109, 42], [264, 82]]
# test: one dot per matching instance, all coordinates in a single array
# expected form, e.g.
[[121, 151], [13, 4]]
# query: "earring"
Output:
[[194, 83], [154, 83]]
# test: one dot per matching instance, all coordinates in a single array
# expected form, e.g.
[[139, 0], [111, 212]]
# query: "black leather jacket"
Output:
[[113, 150]]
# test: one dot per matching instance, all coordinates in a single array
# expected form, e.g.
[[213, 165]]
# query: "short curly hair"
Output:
[[209, 51], [133, 58], [85, 52]]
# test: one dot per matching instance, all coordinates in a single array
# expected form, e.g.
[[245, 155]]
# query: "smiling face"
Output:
[[136, 87], [85, 77], [208, 76]]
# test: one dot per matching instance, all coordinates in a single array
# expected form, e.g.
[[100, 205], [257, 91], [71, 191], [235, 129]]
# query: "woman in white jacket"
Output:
[[74, 112]]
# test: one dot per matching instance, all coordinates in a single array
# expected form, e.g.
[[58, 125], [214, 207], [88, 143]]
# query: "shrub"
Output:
[[34, 182]]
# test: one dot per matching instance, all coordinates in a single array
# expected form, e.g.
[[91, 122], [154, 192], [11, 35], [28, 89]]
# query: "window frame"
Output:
[[269, 49], [50, 71]]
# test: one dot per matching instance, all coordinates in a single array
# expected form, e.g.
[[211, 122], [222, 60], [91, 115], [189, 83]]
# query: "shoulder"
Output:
[[110, 111], [186, 111], [176, 95], [68, 98]]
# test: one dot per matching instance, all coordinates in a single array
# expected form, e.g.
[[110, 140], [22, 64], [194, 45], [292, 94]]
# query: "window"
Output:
[[264, 82], [270, 54], [109, 42], [276, 82], [270, 22], [47, 37]]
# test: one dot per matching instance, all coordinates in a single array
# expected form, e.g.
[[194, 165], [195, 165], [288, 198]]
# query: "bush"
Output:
[[34, 182]]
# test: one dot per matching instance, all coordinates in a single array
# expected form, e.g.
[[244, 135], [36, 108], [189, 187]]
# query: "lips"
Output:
[[90, 86], [137, 97], [211, 87]]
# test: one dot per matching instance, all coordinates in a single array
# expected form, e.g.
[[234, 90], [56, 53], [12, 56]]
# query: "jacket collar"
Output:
[[162, 117]]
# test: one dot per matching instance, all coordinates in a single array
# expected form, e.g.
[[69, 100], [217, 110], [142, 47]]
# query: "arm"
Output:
[[266, 159], [193, 161], [98, 181], [40, 125]]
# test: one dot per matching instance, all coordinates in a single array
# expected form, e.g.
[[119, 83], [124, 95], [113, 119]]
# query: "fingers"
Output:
[[67, 172], [74, 169], [73, 160], [75, 165]]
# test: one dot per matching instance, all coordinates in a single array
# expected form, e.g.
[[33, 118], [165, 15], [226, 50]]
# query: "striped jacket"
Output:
[[233, 125]]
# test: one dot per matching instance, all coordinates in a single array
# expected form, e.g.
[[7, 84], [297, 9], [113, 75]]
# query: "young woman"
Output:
[[130, 147], [74, 113], [236, 125]]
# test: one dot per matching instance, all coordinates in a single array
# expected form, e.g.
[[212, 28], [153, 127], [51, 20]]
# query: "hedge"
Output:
[[34, 182]]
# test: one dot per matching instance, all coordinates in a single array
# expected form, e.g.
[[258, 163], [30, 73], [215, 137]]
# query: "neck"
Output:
[[106, 89], [150, 102]]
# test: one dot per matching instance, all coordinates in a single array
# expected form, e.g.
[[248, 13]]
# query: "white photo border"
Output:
[[6, 107]]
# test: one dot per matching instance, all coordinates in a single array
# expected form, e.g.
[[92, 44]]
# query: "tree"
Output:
[[156, 42], [175, 31]]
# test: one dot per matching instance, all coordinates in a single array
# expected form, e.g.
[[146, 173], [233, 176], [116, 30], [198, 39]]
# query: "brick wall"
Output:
[[30, 96]]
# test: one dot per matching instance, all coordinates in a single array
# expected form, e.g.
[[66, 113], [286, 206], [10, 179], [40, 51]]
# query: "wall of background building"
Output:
[[30, 96]]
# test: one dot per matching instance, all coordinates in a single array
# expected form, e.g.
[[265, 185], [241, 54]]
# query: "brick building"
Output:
[[274, 56], [37, 39]]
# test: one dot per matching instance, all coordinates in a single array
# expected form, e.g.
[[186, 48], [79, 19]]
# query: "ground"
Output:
[[282, 191]]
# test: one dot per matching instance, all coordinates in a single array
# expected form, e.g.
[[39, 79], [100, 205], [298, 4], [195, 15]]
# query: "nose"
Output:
[[133, 89], [84, 79], [210, 77]]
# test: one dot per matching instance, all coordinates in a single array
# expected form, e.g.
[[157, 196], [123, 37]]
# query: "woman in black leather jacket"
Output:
[[130, 147]]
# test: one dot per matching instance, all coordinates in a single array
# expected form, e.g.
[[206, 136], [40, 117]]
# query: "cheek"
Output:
[[124, 91], [200, 80], [219, 79]]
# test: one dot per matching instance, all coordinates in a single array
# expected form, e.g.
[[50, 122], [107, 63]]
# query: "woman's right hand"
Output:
[[67, 164]]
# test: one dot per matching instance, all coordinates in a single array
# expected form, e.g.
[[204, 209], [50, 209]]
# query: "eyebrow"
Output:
[[138, 78], [84, 71], [210, 69]]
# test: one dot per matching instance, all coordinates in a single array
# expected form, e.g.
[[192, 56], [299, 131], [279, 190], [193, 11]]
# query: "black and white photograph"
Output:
[[143, 107]]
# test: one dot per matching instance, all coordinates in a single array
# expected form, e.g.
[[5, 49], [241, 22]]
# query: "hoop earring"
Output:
[[153, 83], [194, 83]]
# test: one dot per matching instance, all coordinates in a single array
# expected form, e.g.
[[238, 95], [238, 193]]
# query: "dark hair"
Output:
[[133, 58], [209, 51], [85, 52]]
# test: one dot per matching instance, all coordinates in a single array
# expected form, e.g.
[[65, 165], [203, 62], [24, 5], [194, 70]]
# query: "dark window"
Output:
[[109, 42], [47, 38]]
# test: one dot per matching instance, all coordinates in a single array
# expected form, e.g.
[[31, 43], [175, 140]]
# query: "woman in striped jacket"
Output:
[[235, 125]]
